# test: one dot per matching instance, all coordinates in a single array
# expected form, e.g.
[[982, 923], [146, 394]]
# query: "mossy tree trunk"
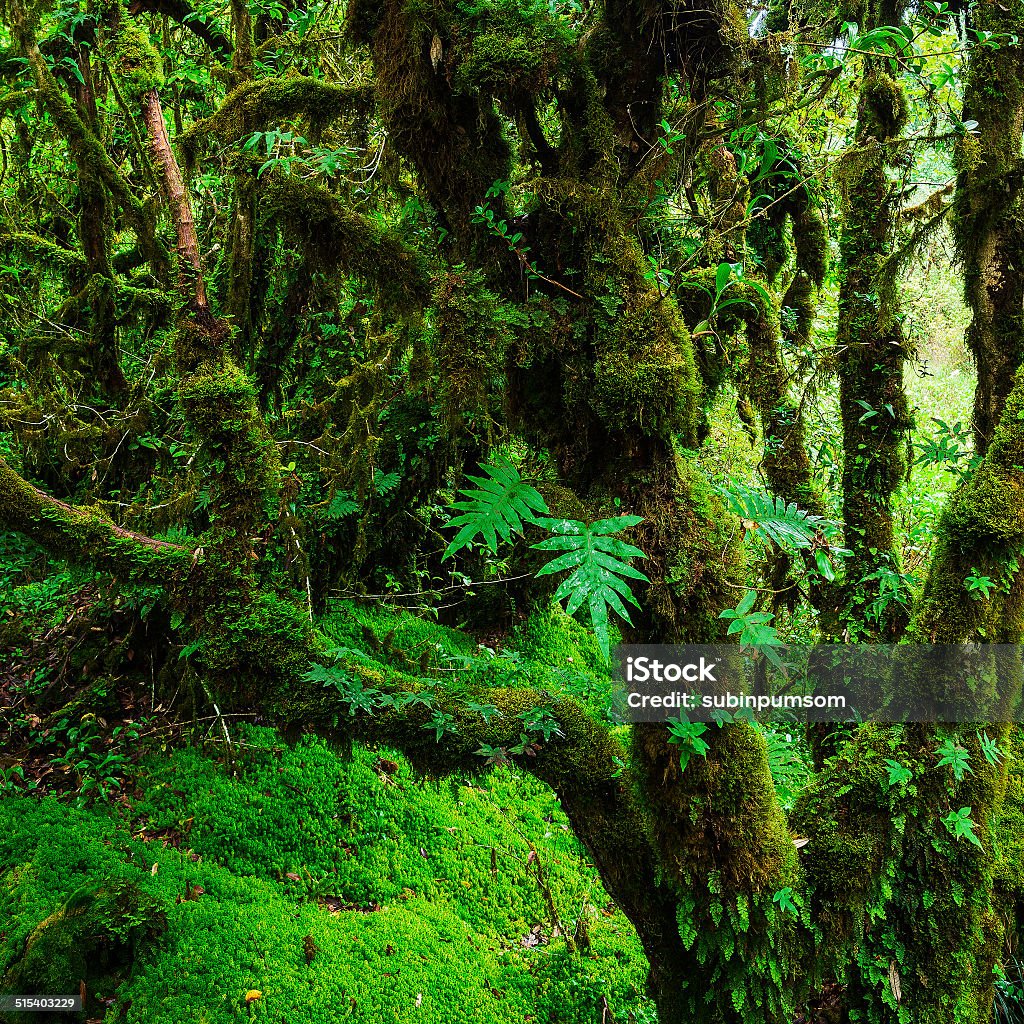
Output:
[[956, 940], [918, 936], [871, 351], [610, 399], [989, 215]]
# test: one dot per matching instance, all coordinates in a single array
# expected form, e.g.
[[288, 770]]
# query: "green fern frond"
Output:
[[786, 525], [596, 560], [499, 505]]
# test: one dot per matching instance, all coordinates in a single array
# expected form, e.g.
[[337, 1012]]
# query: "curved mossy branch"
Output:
[[261, 649], [50, 253], [335, 236], [186, 16], [267, 103], [584, 768], [87, 535]]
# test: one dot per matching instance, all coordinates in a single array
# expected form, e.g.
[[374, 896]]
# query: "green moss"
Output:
[[218, 401], [134, 59], [456, 141], [470, 336], [644, 379], [268, 103], [87, 150], [86, 534], [391, 880], [45, 250], [726, 849], [511, 50], [1009, 842]]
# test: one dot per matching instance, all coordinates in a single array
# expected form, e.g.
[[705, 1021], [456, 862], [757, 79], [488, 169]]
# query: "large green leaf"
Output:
[[594, 558], [786, 525], [499, 505]]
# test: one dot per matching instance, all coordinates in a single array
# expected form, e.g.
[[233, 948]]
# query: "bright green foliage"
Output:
[[391, 879], [950, 753], [776, 520], [753, 627], [499, 506], [898, 775], [990, 749], [961, 826], [784, 899], [597, 560], [686, 735]]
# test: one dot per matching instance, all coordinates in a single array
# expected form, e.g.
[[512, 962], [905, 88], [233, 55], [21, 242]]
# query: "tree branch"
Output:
[[87, 534], [190, 263], [185, 16]]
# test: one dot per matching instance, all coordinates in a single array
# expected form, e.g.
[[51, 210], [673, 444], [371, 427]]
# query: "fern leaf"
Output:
[[598, 573], [786, 525], [498, 506]]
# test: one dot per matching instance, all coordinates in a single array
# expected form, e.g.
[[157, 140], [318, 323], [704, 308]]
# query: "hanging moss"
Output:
[[334, 236], [644, 375], [51, 253], [507, 49], [87, 150], [456, 142], [470, 336]]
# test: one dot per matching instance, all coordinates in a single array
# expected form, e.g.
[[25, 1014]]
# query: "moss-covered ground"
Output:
[[320, 885]]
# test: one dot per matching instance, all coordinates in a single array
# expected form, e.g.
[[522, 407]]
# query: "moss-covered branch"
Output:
[[87, 535], [334, 236], [267, 103], [43, 249], [455, 140]]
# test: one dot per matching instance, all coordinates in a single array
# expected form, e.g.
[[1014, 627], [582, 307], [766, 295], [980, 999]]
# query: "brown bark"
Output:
[[190, 262]]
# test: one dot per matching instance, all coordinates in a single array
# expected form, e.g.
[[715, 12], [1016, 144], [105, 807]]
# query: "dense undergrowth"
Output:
[[329, 882], [215, 870]]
